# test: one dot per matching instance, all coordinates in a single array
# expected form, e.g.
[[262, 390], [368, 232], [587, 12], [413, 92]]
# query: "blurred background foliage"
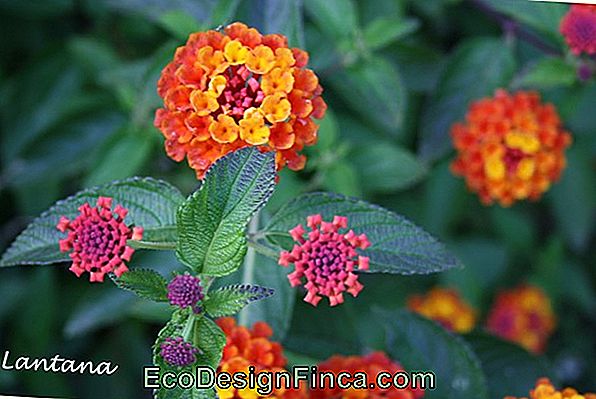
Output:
[[78, 92]]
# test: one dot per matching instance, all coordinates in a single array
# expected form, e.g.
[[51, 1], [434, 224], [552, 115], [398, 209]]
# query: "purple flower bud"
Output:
[[185, 290], [177, 352]]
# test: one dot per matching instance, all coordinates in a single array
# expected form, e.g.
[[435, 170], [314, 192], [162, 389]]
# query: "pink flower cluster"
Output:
[[579, 28], [326, 259], [97, 238]]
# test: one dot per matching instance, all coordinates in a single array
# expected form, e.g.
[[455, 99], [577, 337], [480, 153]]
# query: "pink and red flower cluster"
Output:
[[326, 259], [97, 239]]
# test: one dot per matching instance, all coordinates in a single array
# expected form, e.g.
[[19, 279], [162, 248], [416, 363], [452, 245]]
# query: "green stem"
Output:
[[162, 246], [262, 249], [248, 268], [187, 333]]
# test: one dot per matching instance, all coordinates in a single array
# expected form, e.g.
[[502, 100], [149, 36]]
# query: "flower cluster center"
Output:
[[242, 91]]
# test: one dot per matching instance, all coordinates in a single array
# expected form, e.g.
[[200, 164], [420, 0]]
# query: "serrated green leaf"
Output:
[[384, 31], [467, 77], [210, 340], [397, 245], [229, 300], [151, 204], [420, 344], [548, 73], [510, 370], [374, 89], [212, 222], [146, 283]]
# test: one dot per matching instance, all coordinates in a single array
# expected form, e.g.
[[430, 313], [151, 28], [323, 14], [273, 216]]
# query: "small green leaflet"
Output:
[[212, 222], [146, 283], [397, 245], [230, 299], [151, 204], [210, 340]]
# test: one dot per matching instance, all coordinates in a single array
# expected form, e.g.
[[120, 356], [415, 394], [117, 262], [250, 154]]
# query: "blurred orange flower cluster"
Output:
[[511, 147], [545, 390], [250, 347], [237, 88], [370, 364], [523, 315], [446, 307], [253, 347]]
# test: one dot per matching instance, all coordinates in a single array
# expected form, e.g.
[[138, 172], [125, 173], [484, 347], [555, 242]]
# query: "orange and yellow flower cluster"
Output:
[[251, 347], [446, 307], [237, 88], [545, 390], [370, 364], [511, 147], [523, 315]]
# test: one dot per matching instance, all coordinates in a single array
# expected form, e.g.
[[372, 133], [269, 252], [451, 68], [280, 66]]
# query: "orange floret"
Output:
[[523, 315], [217, 80], [446, 307], [545, 390], [510, 148]]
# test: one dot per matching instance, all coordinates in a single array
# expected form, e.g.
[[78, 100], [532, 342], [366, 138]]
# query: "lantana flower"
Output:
[[523, 315], [446, 307], [177, 352], [97, 239], [546, 390], [370, 364], [251, 347], [326, 259], [511, 147], [579, 28], [237, 88], [185, 291]]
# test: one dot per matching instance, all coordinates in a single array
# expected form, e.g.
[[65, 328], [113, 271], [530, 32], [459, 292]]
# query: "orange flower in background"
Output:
[[511, 147], [523, 315], [237, 88], [370, 364], [446, 307], [251, 347], [545, 390], [579, 28]]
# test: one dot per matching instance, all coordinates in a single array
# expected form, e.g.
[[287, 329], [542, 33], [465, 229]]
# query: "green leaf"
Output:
[[548, 73], [124, 157], [572, 199], [179, 23], [383, 31], [510, 370], [383, 167], [486, 263], [374, 89], [229, 300], [543, 17], [420, 344], [336, 18], [475, 70], [210, 340], [146, 283], [277, 312], [285, 17], [151, 204], [341, 177], [397, 245], [212, 221]]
